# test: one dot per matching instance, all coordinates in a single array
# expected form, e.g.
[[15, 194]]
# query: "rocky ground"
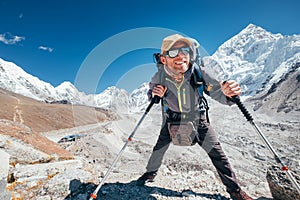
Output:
[[186, 172]]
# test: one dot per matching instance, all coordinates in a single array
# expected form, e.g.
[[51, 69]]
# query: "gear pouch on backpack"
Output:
[[182, 133]]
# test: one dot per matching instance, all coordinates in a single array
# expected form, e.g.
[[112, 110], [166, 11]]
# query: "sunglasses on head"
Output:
[[172, 53]]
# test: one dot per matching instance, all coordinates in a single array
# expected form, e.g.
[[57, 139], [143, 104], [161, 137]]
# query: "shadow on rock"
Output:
[[125, 191]]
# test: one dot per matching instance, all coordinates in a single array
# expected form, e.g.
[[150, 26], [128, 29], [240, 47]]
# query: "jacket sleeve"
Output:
[[156, 79], [213, 73]]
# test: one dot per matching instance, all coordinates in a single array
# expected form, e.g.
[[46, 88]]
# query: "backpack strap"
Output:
[[162, 102], [199, 83], [206, 107]]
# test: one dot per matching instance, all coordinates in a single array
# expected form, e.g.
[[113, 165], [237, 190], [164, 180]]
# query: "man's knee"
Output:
[[161, 146], [216, 152]]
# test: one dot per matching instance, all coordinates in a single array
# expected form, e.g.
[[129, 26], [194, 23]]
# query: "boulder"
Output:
[[4, 168], [4, 193], [280, 185]]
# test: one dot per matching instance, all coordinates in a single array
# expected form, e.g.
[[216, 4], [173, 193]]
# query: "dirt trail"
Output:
[[18, 113]]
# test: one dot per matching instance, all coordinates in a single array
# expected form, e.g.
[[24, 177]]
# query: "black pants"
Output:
[[209, 142]]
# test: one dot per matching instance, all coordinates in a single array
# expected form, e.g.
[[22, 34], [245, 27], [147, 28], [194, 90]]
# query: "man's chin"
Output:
[[183, 69]]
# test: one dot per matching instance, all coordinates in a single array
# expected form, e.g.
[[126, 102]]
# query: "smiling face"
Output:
[[180, 63]]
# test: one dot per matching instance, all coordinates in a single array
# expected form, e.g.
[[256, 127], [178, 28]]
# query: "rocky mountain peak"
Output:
[[248, 41], [257, 58]]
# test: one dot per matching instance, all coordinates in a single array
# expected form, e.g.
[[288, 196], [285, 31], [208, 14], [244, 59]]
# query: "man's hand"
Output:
[[159, 90], [230, 88]]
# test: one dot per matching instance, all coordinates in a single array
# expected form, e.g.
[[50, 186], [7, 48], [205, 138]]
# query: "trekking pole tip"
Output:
[[93, 196]]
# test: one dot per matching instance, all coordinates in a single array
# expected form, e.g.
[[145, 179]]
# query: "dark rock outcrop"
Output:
[[280, 185]]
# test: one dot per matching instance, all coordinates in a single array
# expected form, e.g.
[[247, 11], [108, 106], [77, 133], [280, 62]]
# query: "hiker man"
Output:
[[183, 103]]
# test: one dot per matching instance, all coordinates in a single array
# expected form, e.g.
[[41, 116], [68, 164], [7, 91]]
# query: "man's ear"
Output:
[[163, 60]]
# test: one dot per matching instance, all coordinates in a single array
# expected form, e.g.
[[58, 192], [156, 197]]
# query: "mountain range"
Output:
[[256, 58]]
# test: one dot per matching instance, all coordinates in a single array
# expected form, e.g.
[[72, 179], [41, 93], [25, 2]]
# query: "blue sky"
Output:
[[96, 44]]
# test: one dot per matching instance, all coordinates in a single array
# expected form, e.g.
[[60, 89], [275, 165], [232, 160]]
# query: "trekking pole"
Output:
[[154, 100], [284, 167]]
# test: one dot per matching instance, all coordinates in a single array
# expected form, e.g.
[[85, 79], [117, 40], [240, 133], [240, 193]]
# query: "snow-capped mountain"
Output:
[[15, 79], [68, 91], [113, 98], [139, 98], [256, 58]]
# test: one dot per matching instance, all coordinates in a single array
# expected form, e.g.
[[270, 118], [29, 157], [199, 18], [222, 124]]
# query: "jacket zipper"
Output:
[[178, 93], [184, 98]]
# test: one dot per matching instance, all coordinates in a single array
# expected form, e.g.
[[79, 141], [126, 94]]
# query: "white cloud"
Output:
[[8, 38], [46, 48]]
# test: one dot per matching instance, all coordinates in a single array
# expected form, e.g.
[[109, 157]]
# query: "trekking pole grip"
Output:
[[241, 106], [154, 100]]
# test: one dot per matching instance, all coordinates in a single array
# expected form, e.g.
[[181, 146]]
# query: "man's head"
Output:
[[175, 50]]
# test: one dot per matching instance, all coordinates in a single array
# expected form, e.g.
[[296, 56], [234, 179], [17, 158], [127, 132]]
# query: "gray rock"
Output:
[[4, 194], [4, 167], [280, 185]]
